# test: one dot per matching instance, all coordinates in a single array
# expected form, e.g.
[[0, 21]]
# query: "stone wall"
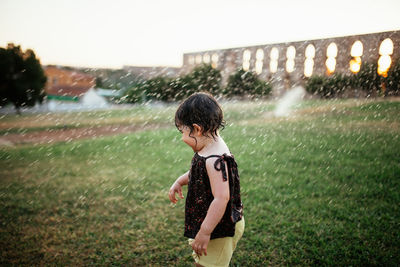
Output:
[[229, 60], [146, 73]]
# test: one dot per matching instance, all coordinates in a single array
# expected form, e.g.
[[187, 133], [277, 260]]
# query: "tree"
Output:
[[22, 78]]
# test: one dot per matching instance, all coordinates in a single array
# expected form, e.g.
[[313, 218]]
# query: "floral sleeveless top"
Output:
[[199, 196]]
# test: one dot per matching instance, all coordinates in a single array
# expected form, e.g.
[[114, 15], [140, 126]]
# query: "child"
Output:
[[213, 210]]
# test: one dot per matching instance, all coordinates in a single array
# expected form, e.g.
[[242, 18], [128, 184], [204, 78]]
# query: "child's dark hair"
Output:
[[202, 109]]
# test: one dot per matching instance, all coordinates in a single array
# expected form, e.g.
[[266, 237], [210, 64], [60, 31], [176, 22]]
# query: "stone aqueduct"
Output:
[[289, 64]]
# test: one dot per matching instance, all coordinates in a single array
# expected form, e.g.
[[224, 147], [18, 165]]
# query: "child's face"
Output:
[[188, 138]]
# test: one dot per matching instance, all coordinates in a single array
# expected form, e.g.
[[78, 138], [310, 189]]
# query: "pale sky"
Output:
[[114, 33]]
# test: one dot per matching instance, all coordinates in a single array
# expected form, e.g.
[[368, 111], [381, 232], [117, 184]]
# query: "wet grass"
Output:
[[31, 122], [320, 188]]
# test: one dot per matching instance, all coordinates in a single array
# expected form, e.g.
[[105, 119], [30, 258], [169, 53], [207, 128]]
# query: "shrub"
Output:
[[182, 87], [367, 79], [328, 87], [243, 83], [315, 85], [158, 88], [134, 95], [392, 82], [202, 78], [205, 78]]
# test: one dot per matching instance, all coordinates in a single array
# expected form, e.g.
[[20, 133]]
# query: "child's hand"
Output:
[[175, 188], [200, 243]]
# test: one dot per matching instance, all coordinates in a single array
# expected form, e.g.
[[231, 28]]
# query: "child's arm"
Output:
[[177, 187], [220, 191]]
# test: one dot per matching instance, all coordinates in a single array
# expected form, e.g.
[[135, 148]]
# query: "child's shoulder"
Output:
[[214, 156], [215, 161]]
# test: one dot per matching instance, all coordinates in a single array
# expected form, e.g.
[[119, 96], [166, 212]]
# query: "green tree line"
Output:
[[202, 78]]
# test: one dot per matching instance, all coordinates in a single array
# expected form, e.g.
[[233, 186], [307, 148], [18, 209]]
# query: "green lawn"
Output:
[[320, 188]]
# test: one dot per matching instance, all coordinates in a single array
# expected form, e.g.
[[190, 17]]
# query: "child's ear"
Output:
[[198, 129]]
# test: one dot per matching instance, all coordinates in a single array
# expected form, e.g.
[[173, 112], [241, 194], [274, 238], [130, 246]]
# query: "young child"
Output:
[[213, 210]]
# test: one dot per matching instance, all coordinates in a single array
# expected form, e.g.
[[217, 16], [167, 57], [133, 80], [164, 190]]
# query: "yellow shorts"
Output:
[[220, 250]]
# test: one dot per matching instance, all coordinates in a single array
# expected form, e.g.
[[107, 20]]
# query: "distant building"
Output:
[[66, 84], [110, 94]]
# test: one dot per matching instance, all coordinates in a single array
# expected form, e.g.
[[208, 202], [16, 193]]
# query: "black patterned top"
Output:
[[199, 196]]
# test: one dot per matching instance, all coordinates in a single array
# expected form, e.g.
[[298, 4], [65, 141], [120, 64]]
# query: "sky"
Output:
[[114, 33]]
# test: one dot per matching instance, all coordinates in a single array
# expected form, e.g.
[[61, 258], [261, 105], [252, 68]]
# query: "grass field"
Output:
[[321, 187]]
